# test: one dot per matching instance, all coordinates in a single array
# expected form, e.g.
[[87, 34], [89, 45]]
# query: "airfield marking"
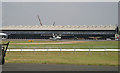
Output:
[[67, 42], [63, 49]]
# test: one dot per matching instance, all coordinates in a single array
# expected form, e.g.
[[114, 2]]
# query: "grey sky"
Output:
[[63, 13]]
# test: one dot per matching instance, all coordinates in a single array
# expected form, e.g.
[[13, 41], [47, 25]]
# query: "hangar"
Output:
[[86, 32]]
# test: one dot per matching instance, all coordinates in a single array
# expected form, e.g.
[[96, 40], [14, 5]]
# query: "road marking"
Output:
[[63, 49]]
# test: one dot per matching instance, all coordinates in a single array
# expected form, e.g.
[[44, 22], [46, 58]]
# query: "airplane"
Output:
[[55, 37], [95, 38], [3, 36]]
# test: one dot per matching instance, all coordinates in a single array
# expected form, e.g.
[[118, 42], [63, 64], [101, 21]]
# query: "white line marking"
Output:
[[63, 49]]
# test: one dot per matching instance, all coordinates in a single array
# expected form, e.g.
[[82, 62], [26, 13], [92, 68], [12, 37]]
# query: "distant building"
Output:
[[65, 32]]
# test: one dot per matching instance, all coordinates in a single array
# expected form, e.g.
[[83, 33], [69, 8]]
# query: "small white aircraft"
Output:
[[55, 37], [95, 38]]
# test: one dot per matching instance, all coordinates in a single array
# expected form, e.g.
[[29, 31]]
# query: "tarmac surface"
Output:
[[56, 67]]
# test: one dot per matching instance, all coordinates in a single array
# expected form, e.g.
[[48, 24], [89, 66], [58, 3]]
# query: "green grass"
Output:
[[78, 58], [86, 45]]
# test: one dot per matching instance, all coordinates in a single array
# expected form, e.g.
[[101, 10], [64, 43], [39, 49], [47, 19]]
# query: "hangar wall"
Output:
[[65, 32]]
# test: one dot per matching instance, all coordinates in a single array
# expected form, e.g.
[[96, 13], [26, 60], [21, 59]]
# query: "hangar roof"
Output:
[[65, 27]]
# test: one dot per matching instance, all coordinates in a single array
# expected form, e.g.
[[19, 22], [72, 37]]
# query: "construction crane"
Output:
[[54, 23], [39, 20]]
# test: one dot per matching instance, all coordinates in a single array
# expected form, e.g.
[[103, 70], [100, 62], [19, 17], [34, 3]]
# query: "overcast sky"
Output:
[[63, 13]]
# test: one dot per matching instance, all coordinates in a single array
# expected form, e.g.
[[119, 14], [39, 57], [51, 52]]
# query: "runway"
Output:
[[56, 67]]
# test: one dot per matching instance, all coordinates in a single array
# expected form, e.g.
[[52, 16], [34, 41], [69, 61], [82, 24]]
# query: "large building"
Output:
[[65, 32]]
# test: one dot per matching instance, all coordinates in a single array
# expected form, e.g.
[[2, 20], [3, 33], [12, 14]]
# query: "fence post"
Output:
[[105, 50], [89, 50], [61, 50], [9, 51], [47, 50], [34, 50], [74, 50], [21, 50]]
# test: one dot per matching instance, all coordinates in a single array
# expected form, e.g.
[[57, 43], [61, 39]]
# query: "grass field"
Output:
[[78, 58], [49, 44]]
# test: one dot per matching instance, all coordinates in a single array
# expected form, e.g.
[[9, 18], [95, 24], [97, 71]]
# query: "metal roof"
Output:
[[60, 27]]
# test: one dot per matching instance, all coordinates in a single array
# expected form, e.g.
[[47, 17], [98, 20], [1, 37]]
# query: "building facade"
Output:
[[65, 32]]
